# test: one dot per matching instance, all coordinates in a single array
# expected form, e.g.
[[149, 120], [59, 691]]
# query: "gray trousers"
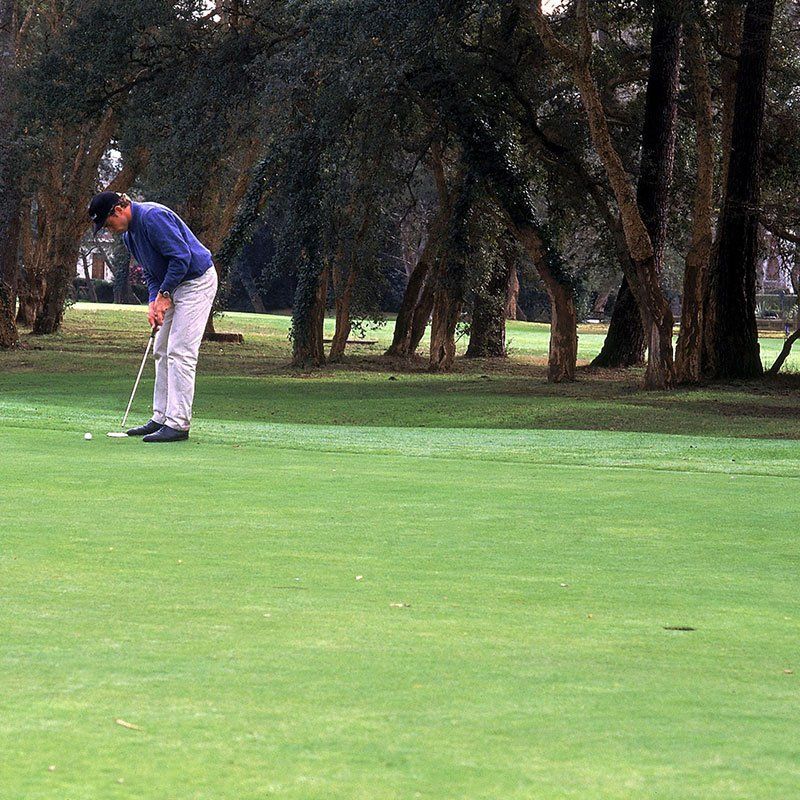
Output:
[[176, 347]]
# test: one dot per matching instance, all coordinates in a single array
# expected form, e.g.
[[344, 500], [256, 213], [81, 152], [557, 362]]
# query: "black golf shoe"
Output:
[[143, 430], [167, 434]]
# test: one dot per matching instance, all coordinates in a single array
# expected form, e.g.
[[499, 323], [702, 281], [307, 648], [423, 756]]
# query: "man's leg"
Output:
[[161, 390], [192, 305]]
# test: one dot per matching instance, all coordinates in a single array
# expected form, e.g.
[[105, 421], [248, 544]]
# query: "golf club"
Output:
[[122, 434]]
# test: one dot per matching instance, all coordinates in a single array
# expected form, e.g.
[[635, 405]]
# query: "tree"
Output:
[[487, 332], [625, 342], [689, 349], [84, 67], [642, 273], [733, 348], [10, 199]]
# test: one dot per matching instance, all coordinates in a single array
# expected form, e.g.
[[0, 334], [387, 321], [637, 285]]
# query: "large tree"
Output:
[[625, 342], [642, 273], [733, 348], [10, 198]]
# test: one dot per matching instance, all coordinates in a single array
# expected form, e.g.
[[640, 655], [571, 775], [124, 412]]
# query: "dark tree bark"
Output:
[[625, 344], [513, 311], [784, 354], [62, 219], [250, 287], [344, 278], [447, 304], [87, 275], [123, 291], [731, 17], [642, 274], [563, 351], [689, 349], [449, 288], [307, 327], [59, 279], [9, 244], [10, 200], [343, 296], [734, 350], [417, 305], [487, 337], [421, 316], [509, 187], [401, 341], [30, 292]]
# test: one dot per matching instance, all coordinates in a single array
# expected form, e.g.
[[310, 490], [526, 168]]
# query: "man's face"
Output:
[[119, 219]]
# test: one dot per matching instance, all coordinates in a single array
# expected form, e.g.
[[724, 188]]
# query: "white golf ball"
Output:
[[87, 436]]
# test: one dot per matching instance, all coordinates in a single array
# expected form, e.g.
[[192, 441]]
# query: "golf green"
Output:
[[288, 610]]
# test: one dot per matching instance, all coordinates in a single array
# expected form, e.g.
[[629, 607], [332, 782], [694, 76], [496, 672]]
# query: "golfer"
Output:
[[182, 284]]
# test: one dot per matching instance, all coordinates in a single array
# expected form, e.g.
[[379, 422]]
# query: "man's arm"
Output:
[[165, 236], [152, 285]]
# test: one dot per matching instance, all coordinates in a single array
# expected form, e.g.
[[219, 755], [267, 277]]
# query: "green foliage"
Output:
[[345, 102]]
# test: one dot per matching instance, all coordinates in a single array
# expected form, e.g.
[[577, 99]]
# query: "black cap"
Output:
[[101, 206]]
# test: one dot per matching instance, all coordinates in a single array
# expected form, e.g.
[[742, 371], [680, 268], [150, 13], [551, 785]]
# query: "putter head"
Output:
[[117, 435]]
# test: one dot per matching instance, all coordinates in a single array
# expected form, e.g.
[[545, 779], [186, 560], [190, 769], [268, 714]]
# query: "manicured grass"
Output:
[[506, 638], [98, 353]]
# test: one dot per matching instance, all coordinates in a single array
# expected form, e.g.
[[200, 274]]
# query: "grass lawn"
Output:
[[346, 586]]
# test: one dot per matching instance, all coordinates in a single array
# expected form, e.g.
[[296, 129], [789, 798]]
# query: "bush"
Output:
[[104, 291]]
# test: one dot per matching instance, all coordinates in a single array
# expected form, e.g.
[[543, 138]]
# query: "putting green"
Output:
[[350, 611]]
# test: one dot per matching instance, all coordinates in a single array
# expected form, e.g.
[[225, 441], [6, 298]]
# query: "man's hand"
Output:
[[158, 308], [151, 315]]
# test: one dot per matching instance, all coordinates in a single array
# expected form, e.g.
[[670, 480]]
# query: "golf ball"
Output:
[[87, 436]]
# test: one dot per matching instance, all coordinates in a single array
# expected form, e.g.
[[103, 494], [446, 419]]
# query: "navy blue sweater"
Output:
[[167, 250]]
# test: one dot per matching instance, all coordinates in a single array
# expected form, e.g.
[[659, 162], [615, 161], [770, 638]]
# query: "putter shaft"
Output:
[[138, 377]]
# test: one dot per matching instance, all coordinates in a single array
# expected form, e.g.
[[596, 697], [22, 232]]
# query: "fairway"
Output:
[[345, 586]]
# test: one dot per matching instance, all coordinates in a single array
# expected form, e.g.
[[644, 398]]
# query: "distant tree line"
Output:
[[447, 158]]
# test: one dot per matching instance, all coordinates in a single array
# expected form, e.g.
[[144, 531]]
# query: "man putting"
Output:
[[182, 284]]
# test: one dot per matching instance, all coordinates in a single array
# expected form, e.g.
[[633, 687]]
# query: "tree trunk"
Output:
[[343, 288], [401, 341], [449, 287], [732, 16], [417, 305], [61, 203], [488, 326], [513, 311], [343, 295], [643, 276], [731, 41], [87, 276], [689, 350], [9, 244], [51, 314], [57, 255], [784, 354], [563, 352], [487, 336], [488, 158], [246, 277], [446, 310], [30, 296], [10, 201], [625, 343], [734, 350], [309, 316], [421, 316], [123, 291]]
